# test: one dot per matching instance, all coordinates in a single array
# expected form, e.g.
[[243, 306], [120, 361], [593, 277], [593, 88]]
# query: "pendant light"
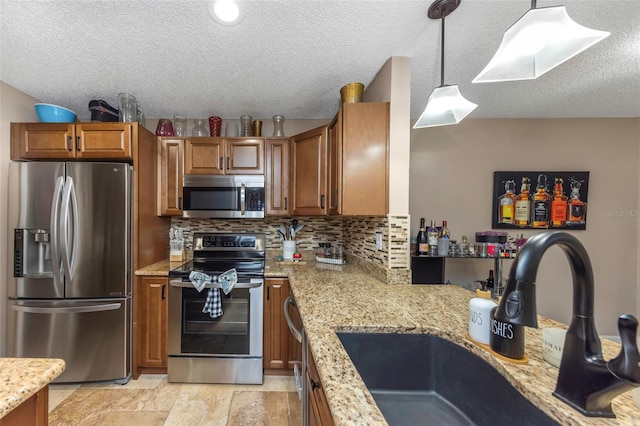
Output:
[[539, 41], [446, 105]]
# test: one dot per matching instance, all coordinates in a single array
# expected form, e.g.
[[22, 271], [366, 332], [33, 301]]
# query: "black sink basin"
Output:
[[421, 379]]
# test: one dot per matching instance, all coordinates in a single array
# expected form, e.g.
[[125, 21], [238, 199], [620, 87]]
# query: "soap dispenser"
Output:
[[480, 315]]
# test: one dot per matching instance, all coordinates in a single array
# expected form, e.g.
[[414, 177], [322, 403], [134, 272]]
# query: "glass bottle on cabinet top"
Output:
[[432, 239], [278, 125], [421, 240], [523, 204], [507, 202], [199, 129]]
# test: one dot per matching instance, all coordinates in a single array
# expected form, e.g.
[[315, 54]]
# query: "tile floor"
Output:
[[150, 400]]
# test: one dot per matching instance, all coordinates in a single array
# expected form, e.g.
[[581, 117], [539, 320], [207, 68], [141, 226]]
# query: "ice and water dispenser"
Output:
[[32, 254]]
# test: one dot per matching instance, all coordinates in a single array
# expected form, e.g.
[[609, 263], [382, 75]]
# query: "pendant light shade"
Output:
[[538, 42], [446, 105]]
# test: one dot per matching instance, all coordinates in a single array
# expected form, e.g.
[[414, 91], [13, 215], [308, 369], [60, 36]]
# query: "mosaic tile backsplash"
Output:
[[356, 234]]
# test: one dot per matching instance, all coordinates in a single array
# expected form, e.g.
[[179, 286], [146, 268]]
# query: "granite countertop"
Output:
[[334, 298], [345, 298], [21, 378]]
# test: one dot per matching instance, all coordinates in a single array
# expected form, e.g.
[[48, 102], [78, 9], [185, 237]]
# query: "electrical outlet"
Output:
[[378, 240]]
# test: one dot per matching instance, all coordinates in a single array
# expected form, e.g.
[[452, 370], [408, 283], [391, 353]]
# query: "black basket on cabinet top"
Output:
[[102, 111]]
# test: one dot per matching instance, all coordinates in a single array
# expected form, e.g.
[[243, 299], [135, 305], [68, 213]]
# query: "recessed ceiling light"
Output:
[[226, 12]]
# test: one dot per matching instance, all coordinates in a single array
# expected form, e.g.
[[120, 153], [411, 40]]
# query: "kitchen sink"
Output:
[[424, 379]]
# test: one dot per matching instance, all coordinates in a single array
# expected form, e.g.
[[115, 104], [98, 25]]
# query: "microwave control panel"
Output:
[[255, 199]]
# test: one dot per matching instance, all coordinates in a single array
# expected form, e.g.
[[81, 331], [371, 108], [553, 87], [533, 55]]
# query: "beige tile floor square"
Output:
[[150, 400]]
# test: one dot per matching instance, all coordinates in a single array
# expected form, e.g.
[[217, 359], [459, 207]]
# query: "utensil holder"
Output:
[[288, 249]]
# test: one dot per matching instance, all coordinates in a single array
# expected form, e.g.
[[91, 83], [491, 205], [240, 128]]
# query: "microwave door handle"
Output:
[[243, 199], [54, 229]]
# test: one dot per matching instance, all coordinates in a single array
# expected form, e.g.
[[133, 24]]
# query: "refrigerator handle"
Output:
[[68, 252], [54, 230], [67, 309]]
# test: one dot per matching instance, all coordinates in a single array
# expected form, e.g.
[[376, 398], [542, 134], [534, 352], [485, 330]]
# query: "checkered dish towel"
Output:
[[213, 303]]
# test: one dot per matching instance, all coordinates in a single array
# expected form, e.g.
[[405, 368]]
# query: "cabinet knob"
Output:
[[322, 201], [220, 163], [285, 203], [68, 143], [164, 291], [77, 143], [228, 163]]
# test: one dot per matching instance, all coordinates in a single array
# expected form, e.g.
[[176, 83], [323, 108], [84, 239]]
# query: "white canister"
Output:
[[288, 249], [480, 319]]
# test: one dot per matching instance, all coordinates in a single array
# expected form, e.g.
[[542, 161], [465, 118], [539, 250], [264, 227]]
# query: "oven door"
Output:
[[223, 196], [237, 333]]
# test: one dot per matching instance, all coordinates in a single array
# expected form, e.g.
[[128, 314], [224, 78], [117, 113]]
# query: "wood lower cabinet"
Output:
[[34, 411], [221, 156], [277, 177], [308, 180], [281, 351], [318, 407], [87, 141], [151, 316], [170, 158]]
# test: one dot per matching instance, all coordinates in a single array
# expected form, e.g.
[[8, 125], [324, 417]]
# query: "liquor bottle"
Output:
[[523, 204], [444, 231], [432, 239], [421, 240], [577, 207], [506, 203], [558, 205], [490, 280], [540, 213]]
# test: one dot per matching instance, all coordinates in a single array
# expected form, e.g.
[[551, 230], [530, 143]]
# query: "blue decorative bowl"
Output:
[[48, 113]]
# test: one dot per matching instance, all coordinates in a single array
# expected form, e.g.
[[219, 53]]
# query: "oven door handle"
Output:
[[187, 284]]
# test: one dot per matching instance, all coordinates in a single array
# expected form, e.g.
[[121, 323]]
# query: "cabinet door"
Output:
[[319, 412], [204, 156], [152, 321], [31, 141], [309, 172], [244, 156], [277, 177], [103, 141], [276, 332], [170, 154], [365, 157], [335, 162]]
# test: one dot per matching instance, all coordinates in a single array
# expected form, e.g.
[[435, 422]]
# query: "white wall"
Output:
[[452, 179], [14, 106]]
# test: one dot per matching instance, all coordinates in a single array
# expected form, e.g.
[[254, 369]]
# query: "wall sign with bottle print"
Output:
[[540, 200]]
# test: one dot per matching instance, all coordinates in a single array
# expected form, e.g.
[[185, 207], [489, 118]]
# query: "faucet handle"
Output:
[[626, 365]]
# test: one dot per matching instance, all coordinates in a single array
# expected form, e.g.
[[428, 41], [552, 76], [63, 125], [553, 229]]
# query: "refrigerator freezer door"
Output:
[[35, 193], [91, 337], [96, 219]]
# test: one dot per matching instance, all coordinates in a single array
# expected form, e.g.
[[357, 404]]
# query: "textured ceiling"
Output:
[[291, 57]]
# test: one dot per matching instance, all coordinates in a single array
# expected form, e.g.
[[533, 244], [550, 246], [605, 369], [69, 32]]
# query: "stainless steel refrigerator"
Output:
[[70, 267]]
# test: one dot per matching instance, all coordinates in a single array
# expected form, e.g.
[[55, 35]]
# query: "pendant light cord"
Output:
[[442, 56]]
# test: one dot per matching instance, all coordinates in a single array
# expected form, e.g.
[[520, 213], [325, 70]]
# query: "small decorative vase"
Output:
[[199, 129], [245, 125], [215, 125], [278, 125], [164, 128]]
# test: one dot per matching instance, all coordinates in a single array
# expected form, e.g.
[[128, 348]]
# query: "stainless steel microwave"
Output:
[[213, 196]]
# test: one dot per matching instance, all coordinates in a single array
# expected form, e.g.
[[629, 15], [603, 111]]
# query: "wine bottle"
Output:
[[444, 231], [432, 239], [421, 240], [490, 279]]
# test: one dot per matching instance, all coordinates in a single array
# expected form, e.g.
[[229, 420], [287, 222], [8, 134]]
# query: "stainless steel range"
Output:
[[228, 348]]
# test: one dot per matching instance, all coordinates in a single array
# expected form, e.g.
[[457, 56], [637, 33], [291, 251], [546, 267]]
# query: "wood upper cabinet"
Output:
[[308, 182], [170, 158], [277, 177], [220, 156], [359, 134], [281, 350], [91, 141], [151, 303]]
